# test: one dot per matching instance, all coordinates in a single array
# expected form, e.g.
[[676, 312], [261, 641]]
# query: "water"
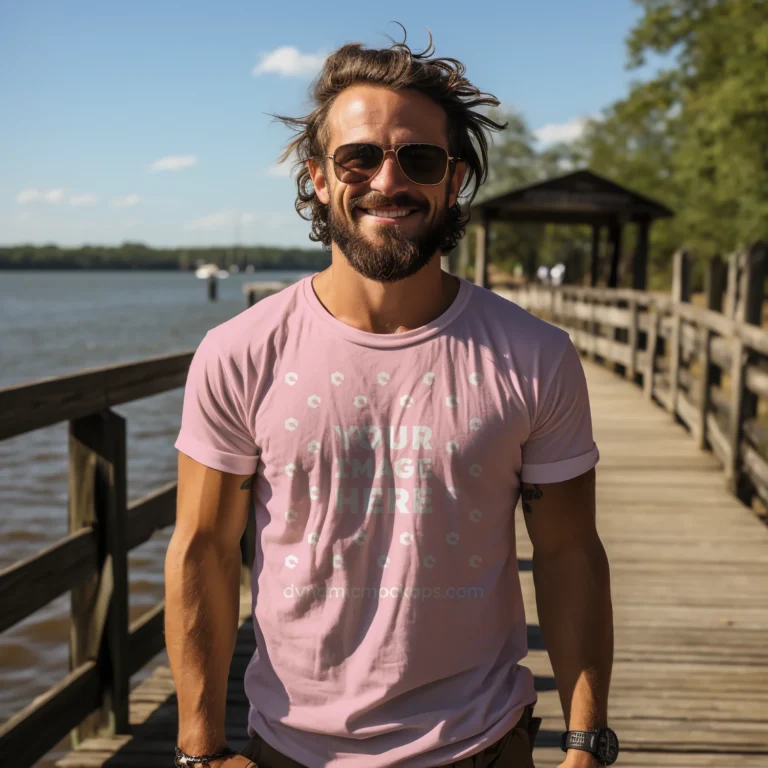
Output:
[[54, 323]]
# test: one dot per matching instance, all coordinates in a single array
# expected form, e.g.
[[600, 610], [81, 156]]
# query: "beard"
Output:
[[393, 255]]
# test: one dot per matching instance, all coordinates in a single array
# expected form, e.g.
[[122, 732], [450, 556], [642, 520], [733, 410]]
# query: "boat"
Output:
[[204, 271]]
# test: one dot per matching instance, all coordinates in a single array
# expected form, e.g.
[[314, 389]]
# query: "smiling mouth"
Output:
[[388, 215]]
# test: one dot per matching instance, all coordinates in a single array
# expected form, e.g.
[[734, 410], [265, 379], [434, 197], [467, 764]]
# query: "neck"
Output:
[[385, 307]]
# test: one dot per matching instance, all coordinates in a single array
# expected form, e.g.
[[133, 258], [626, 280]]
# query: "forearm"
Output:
[[201, 612], [576, 618]]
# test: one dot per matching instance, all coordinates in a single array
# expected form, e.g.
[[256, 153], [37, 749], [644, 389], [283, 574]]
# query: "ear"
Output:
[[456, 179], [317, 174]]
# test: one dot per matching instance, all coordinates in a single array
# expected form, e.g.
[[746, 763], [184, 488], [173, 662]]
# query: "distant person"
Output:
[[381, 419]]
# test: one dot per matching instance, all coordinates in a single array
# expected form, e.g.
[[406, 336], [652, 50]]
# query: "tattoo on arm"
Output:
[[248, 484], [531, 493]]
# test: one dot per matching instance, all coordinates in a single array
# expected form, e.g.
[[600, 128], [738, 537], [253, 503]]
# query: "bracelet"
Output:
[[182, 758]]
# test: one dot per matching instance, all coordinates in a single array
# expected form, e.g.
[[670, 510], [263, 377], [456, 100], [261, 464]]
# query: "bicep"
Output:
[[210, 503], [560, 516]]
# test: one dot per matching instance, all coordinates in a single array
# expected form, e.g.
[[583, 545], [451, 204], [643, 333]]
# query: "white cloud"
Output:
[[126, 202], [555, 132], [174, 163], [53, 195], [32, 195], [28, 196], [288, 62], [82, 199]]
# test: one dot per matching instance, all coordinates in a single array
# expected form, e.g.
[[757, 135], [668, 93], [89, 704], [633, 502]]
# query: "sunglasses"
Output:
[[425, 164]]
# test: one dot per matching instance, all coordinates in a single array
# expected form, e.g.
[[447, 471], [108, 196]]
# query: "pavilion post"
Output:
[[595, 254], [640, 262], [481, 251], [616, 237]]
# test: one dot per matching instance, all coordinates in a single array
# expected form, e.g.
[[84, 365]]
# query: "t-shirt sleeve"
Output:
[[213, 421], [560, 445]]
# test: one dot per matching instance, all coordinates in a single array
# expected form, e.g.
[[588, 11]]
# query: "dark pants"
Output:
[[513, 750]]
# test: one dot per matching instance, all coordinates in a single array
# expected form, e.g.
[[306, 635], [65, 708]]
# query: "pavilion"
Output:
[[581, 197]]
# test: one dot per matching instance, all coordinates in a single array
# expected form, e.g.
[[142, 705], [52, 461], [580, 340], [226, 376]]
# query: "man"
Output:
[[380, 419]]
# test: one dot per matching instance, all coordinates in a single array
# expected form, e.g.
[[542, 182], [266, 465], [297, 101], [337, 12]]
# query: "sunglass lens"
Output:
[[423, 163], [355, 163]]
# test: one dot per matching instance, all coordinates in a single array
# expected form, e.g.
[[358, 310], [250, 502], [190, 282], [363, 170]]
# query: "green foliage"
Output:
[[694, 137], [139, 256]]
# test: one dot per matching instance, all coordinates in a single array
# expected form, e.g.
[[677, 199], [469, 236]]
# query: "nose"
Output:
[[390, 179]]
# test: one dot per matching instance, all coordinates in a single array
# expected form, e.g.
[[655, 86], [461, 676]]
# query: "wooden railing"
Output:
[[707, 366], [91, 562]]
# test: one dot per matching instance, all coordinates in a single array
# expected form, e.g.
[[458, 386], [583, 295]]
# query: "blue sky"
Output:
[[147, 120]]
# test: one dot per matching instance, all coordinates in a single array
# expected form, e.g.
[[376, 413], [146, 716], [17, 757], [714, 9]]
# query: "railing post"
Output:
[[593, 326], [749, 307], [651, 344], [632, 340], [98, 497], [681, 293], [715, 283]]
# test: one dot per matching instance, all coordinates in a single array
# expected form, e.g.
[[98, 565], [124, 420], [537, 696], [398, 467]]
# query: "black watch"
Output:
[[602, 743]]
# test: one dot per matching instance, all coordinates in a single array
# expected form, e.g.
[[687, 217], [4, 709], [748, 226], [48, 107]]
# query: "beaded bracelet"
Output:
[[182, 758]]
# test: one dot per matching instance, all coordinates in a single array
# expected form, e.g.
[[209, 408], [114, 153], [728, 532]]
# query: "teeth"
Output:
[[388, 214]]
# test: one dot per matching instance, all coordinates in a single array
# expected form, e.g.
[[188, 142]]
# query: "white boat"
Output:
[[204, 271]]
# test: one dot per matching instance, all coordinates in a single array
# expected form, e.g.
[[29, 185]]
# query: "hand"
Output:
[[236, 761], [577, 758]]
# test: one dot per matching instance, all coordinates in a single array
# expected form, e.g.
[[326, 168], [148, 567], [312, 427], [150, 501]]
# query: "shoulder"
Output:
[[247, 335], [515, 327]]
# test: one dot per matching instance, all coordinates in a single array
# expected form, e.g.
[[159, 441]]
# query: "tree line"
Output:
[[138, 256]]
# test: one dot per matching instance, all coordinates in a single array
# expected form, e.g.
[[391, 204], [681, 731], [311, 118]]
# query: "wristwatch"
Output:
[[602, 743]]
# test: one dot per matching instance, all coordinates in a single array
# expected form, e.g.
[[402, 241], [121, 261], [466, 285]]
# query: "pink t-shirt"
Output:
[[387, 605]]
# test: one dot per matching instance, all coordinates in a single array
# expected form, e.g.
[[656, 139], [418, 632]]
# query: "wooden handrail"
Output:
[[26, 407], [90, 562], [32, 583], [658, 341]]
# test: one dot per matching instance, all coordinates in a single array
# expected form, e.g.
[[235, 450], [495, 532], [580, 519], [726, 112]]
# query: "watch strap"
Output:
[[583, 740]]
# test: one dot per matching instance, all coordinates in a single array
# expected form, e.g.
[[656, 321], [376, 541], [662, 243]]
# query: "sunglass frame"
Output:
[[395, 149]]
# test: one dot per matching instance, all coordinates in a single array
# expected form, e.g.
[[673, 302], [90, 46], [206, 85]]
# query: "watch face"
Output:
[[607, 746]]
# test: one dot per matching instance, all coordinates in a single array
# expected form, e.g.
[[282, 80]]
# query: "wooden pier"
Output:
[[689, 569], [682, 460]]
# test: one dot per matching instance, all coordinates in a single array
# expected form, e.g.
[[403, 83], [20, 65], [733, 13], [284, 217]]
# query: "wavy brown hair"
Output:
[[397, 67]]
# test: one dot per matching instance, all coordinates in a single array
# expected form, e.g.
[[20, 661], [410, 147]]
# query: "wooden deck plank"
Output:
[[689, 573]]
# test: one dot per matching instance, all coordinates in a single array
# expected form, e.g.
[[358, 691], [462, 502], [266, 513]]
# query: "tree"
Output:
[[696, 135]]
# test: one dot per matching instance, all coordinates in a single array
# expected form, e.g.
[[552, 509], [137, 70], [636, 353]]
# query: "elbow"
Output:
[[587, 554], [192, 547]]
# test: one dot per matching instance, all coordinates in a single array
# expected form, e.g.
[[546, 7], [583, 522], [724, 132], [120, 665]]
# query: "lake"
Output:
[[54, 323]]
